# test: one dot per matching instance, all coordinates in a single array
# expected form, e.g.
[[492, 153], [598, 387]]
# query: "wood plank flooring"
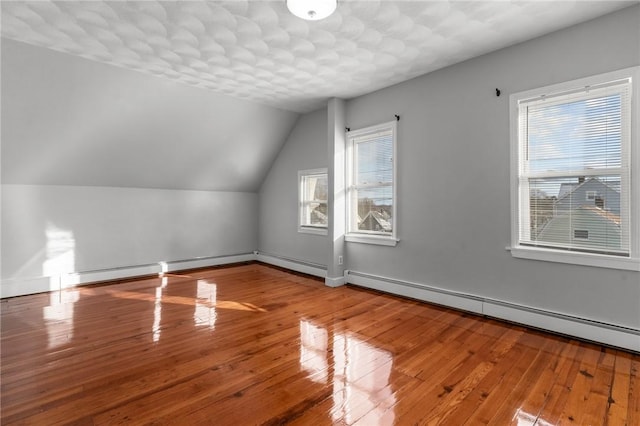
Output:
[[251, 344]]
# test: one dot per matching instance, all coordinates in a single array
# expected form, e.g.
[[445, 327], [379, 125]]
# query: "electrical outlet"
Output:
[[339, 260]]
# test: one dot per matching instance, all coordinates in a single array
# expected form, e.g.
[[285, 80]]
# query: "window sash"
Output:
[[309, 201], [376, 178], [559, 229], [621, 89]]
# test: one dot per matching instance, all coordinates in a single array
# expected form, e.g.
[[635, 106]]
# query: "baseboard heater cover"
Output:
[[583, 328], [463, 301], [303, 266], [23, 286]]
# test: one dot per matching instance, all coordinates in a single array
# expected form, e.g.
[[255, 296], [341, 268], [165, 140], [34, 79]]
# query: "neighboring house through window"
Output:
[[312, 196], [575, 150], [371, 192]]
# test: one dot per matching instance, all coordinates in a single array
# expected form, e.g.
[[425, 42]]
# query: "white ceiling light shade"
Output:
[[312, 10]]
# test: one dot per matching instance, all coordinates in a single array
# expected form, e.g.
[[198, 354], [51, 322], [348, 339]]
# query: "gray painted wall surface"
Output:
[[79, 229], [453, 175], [306, 148], [79, 140], [71, 121]]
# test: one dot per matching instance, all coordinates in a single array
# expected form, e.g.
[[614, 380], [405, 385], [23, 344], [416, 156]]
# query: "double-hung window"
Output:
[[371, 180], [575, 186], [312, 204]]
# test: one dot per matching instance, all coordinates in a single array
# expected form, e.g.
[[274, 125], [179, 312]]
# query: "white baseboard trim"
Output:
[[302, 266], [83, 278], [12, 287], [418, 291], [335, 282], [204, 262], [22, 286], [608, 334]]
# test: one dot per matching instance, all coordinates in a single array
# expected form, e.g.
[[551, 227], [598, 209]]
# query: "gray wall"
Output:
[[306, 148], [453, 176], [71, 121], [124, 168], [48, 229]]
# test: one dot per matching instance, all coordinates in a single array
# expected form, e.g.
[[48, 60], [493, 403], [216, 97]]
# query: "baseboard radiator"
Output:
[[22, 286], [586, 329], [12, 287], [297, 265]]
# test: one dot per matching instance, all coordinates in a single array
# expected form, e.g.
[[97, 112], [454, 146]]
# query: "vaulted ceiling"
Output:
[[71, 121], [202, 94]]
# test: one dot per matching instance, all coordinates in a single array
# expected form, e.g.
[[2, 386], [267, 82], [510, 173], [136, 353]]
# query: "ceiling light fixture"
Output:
[[312, 10]]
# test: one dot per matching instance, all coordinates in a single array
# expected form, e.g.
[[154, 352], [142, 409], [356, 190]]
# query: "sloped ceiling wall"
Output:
[[71, 121]]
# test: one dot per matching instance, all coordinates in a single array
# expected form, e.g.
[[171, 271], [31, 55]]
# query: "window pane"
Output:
[[576, 213], [315, 187], [375, 209], [313, 203], [581, 135], [374, 160], [316, 214]]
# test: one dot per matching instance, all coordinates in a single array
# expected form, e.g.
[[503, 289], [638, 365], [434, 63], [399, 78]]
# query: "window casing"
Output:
[[313, 214], [574, 153], [371, 185]]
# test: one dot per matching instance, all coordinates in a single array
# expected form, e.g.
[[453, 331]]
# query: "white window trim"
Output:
[[367, 237], [308, 229], [580, 258]]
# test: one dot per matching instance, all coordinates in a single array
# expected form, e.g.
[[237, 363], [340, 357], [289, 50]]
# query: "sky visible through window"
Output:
[[573, 137], [375, 168]]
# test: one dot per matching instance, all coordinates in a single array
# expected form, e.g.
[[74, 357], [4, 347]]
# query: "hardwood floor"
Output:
[[251, 344]]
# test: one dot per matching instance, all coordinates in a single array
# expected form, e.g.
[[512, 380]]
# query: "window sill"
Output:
[[586, 259], [371, 239], [313, 231]]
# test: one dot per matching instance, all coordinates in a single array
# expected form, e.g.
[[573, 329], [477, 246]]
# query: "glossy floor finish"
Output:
[[251, 344]]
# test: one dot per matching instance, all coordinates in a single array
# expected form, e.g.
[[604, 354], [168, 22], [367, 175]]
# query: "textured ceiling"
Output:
[[257, 51]]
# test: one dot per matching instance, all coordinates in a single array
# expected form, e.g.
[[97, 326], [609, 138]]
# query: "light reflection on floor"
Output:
[[522, 418], [58, 317], [205, 314], [313, 351], [157, 310], [359, 371]]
